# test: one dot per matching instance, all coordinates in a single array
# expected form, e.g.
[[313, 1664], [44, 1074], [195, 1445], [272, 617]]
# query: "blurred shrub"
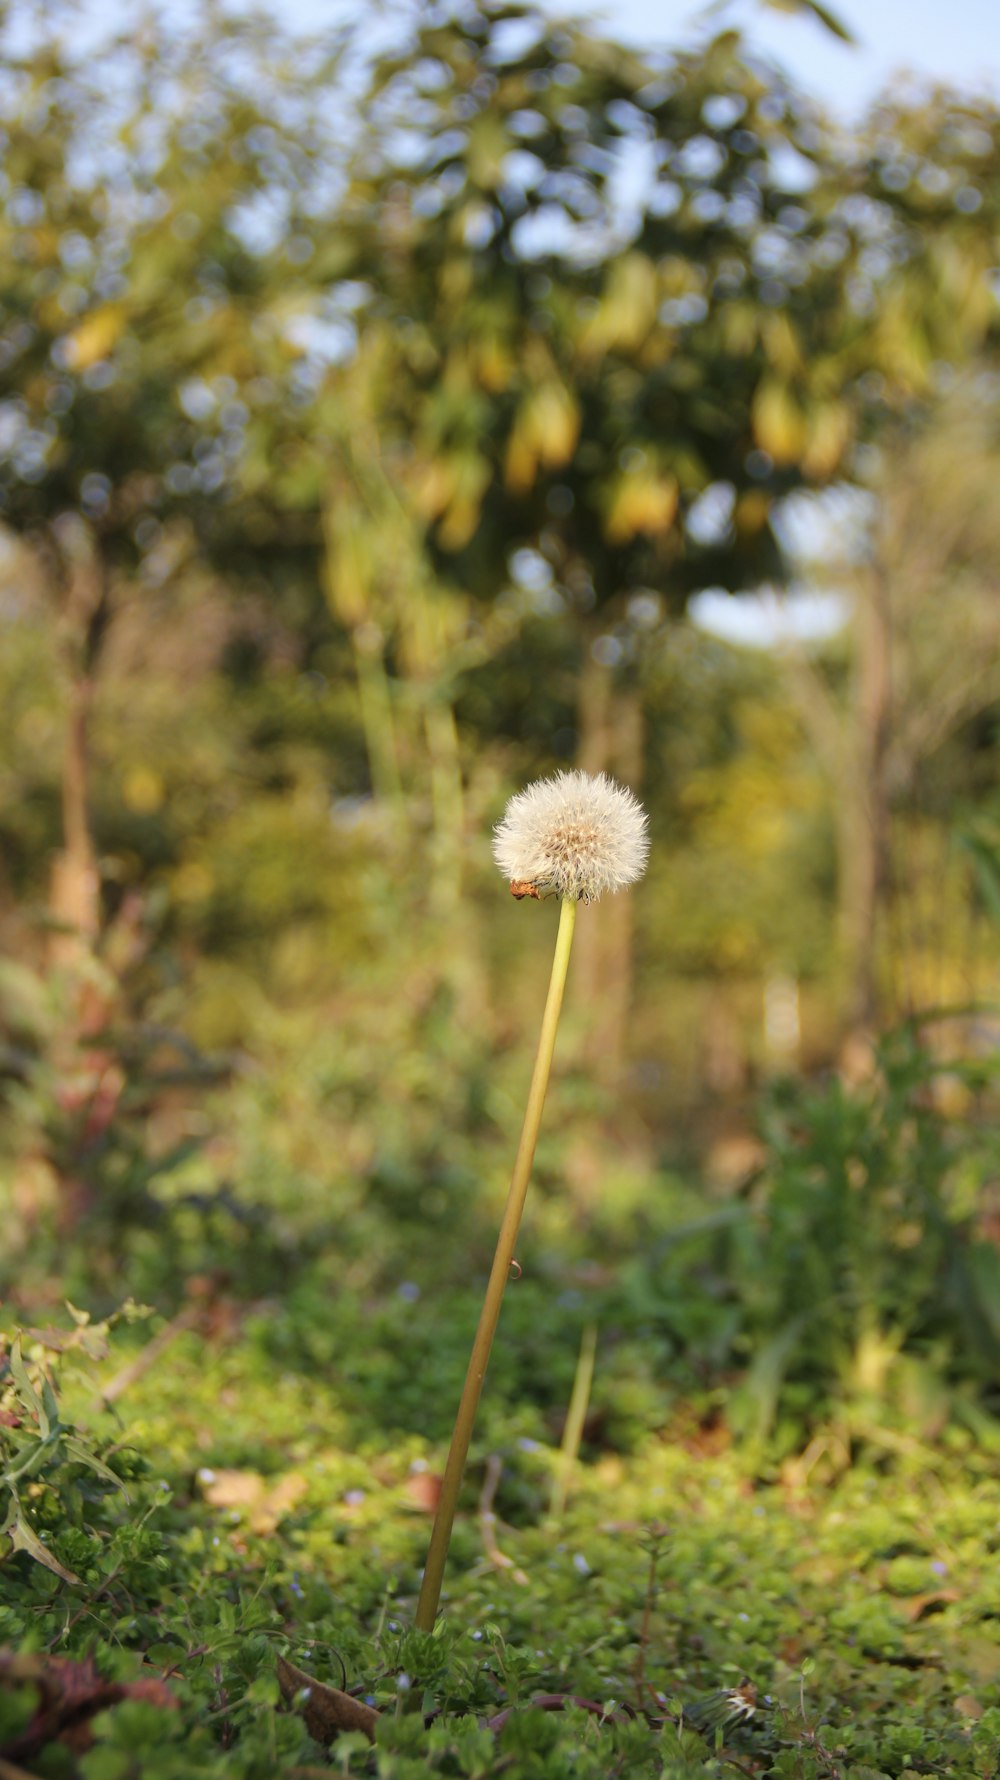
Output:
[[351, 1178], [867, 1266], [95, 1089]]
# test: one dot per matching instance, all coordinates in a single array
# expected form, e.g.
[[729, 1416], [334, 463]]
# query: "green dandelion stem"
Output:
[[576, 1415], [430, 1589]]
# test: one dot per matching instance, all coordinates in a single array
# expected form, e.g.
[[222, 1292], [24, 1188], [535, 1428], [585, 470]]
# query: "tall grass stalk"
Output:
[[430, 1589]]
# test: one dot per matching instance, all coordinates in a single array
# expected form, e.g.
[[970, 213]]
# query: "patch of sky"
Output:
[[683, 311], [722, 110], [701, 158], [789, 171], [664, 198], [645, 609], [522, 170], [511, 39], [828, 530], [708, 519], [528, 124], [532, 575], [766, 619], [825, 536]]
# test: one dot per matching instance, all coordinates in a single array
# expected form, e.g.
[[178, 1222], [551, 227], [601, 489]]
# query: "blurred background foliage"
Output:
[[370, 433]]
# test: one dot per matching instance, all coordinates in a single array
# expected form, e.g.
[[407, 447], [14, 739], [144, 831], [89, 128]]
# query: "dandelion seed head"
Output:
[[576, 835]]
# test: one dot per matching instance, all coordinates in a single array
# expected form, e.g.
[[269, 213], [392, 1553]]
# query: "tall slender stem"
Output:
[[378, 723], [576, 1415], [430, 1589]]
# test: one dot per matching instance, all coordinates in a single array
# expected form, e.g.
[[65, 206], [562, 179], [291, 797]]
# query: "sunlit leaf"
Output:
[[95, 337], [640, 502], [815, 9], [779, 425], [24, 1538]]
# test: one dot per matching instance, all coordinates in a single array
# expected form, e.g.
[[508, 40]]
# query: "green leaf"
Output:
[[764, 1380], [986, 864], [83, 1456], [32, 1458], [24, 1538], [26, 1389], [50, 1407], [107, 1763]]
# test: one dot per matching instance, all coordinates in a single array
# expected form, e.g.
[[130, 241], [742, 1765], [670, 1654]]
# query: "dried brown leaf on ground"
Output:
[[325, 1709], [68, 1695], [422, 1491], [261, 1501]]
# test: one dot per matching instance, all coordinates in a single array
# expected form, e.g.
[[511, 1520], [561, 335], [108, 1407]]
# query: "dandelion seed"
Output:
[[574, 836], [729, 1707], [742, 1700]]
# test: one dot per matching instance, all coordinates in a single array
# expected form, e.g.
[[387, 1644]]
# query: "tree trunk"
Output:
[[864, 823], [73, 895], [610, 739], [378, 724], [74, 900]]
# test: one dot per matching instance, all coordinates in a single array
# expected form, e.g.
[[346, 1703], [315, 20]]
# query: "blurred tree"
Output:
[[152, 233], [592, 299], [915, 202], [920, 559], [600, 321], [154, 247]]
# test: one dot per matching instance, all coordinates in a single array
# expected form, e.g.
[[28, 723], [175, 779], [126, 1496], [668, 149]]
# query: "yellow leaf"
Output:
[[520, 461], [627, 310], [739, 327], [456, 278], [488, 143], [471, 476], [781, 342], [432, 486], [45, 241], [640, 501], [493, 363], [827, 434], [557, 424], [779, 425], [545, 431], [752, 510], [347, 565], [142, 790], [94, 337]]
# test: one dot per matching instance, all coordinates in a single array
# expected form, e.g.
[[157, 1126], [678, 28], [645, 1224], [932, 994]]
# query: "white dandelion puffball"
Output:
[[574, 835]]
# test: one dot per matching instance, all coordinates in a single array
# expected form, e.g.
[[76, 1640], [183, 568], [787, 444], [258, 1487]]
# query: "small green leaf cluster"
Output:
[[48, 1461]]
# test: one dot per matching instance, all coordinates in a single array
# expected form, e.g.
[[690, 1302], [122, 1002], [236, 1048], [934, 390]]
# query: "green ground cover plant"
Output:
[[206, 1500], [224, 1514]]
